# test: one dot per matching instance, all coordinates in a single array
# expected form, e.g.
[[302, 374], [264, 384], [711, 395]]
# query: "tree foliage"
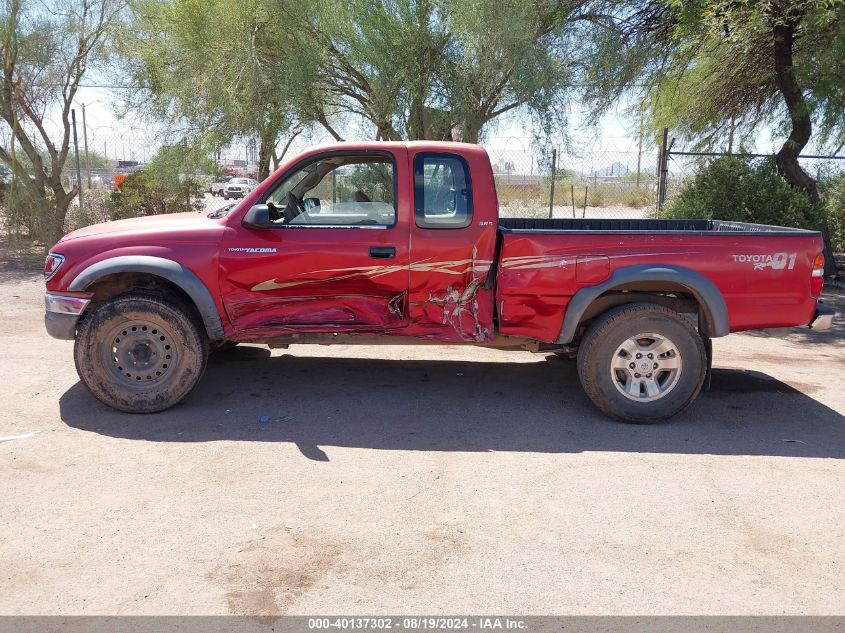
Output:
[[710, 69], [442, 69], [217, 70], [45, 55], [407, 69]]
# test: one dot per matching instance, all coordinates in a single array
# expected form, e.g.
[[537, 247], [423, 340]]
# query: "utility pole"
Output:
[[85, 140], [76, 150], [640, 149], [552, 187], [188, 178]]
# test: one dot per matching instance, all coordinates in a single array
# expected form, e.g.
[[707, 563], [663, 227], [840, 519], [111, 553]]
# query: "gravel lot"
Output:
[[419, 480]]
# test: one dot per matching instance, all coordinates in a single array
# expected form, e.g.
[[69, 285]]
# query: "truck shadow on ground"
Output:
[[435, 405]]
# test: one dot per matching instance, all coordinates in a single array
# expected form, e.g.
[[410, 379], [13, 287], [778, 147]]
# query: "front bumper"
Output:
[[62, 313], [823, 319]]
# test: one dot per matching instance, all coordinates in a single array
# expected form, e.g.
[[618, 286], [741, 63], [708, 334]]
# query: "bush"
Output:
[[639, 197], [171, 183], [27, 215], [143, 193], [745, 190], [597, 196], [834, 191], [96, 208]]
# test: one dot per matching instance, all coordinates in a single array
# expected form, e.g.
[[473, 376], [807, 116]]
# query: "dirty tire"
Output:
[[140, 353], [599, 350]]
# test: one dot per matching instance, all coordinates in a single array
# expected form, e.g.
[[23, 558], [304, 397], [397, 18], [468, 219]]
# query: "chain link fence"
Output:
[[589, 184]]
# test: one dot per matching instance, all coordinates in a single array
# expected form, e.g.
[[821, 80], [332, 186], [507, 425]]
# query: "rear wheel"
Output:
[[140, 353], [642, 363]]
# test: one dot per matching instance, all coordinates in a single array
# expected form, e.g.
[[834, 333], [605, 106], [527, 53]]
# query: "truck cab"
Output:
[[391, 239]]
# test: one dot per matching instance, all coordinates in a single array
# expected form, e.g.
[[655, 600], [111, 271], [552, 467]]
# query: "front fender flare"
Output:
[[701, 287], [165, 268]]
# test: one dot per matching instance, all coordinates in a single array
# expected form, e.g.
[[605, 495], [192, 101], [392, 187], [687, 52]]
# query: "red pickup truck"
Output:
[[401, 243]]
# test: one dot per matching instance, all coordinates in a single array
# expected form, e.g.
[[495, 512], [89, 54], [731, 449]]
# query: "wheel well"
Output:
[[676, 297], [110, 286]]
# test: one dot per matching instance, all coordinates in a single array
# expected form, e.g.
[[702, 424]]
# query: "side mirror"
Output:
[[258, 217]]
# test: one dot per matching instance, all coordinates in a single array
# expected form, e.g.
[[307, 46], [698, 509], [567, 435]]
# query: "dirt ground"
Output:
[[419, 480]]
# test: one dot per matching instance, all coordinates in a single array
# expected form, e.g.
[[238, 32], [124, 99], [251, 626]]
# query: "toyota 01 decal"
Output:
[[775, 261]]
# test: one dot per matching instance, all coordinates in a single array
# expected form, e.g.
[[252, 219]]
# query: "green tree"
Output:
[[409, 69], [218, 70], [711, 68], [45, 55], [440, 69]]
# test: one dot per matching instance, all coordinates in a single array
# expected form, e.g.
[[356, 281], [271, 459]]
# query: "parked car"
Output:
[[215, 188], [239, 187], [400, 242]]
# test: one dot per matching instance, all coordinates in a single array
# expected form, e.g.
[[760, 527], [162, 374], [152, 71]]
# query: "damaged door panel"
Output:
[[454, 240], [340, 264]]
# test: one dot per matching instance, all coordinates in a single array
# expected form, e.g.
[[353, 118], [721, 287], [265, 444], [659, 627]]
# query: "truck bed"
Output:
[[568, 225], [763, 272]]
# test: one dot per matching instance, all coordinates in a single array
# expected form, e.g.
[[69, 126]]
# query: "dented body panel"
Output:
[[448, 301], [478, 284]]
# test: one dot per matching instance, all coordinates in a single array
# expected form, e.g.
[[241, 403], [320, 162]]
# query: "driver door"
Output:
[[336, 257]]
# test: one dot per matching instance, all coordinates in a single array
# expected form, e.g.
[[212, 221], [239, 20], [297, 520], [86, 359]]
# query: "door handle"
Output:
[[382, 252]]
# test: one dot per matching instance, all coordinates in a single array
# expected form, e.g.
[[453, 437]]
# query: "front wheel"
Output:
[[642, 363], [140, 353]]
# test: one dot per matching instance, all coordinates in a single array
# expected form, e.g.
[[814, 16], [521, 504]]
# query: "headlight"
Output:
[[52, 264]]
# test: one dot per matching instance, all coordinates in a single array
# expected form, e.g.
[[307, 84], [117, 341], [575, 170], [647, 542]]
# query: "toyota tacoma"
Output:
[[401, 243]]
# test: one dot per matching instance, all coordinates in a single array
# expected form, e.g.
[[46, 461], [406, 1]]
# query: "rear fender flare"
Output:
[[167, 269], [707, 294]]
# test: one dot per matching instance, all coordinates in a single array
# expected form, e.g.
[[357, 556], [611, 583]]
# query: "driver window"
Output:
[[337, 191]]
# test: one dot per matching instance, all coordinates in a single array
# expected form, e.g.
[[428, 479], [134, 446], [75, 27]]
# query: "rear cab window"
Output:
[[442, 191]]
